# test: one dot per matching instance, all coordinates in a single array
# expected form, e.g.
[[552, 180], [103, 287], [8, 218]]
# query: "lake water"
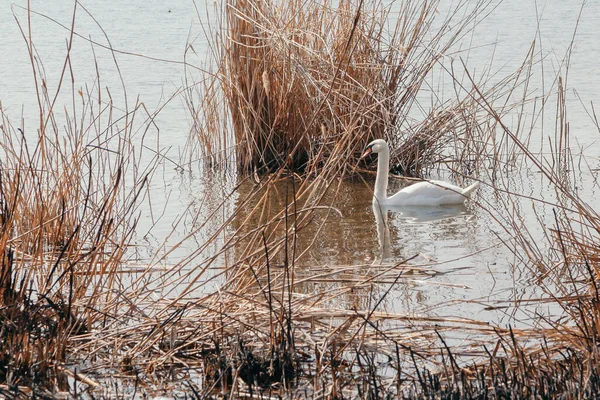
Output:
[[470, 266]]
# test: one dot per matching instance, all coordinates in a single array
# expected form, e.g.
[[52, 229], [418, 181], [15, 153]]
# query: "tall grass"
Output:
[[308, 84], [69, 196], [554, 238]]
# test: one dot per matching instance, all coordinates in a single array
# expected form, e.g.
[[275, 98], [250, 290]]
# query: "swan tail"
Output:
[[469, 189]]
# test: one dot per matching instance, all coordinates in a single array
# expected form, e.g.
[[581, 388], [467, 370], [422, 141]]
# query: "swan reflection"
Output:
[[410, 215]]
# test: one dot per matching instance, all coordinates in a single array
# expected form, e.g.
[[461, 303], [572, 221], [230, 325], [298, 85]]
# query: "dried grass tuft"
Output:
[[308, 84]]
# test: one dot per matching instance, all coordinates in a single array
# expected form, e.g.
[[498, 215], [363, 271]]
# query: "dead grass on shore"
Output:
[[68, 212]]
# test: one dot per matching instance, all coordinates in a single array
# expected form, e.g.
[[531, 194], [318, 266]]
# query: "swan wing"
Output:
[[428, 193]]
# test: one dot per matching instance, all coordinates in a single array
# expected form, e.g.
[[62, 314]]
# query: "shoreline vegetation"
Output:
[[296, 92]]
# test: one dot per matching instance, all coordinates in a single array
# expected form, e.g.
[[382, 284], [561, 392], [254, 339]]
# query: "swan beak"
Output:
[[368, 151]]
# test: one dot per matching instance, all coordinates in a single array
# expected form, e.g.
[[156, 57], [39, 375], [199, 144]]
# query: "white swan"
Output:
[[426, 193]]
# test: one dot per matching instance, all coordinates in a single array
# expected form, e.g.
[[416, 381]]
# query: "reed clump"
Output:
[[308, 84], [69, 197], [66, 222]]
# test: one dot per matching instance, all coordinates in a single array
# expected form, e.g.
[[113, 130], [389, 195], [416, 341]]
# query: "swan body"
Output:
[[426, 193]]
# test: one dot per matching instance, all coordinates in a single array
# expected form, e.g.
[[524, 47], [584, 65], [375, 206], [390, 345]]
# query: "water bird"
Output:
[[426, 193]]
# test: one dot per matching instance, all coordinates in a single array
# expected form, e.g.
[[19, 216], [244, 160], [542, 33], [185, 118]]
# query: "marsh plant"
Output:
[[305, 86]]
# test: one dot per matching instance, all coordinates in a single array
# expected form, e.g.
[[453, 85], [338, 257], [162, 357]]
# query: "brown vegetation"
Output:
[[306, 85], [68, 214]]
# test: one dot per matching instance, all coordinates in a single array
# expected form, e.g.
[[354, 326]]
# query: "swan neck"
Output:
[[381, 181]]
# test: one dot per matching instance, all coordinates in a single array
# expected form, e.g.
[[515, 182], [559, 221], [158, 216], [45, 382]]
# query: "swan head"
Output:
[[376, 146]]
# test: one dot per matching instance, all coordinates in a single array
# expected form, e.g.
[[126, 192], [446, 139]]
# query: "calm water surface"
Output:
[[463, 246]]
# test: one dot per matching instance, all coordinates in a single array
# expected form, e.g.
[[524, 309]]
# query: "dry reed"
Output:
[[308, 85], [69, 201]]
